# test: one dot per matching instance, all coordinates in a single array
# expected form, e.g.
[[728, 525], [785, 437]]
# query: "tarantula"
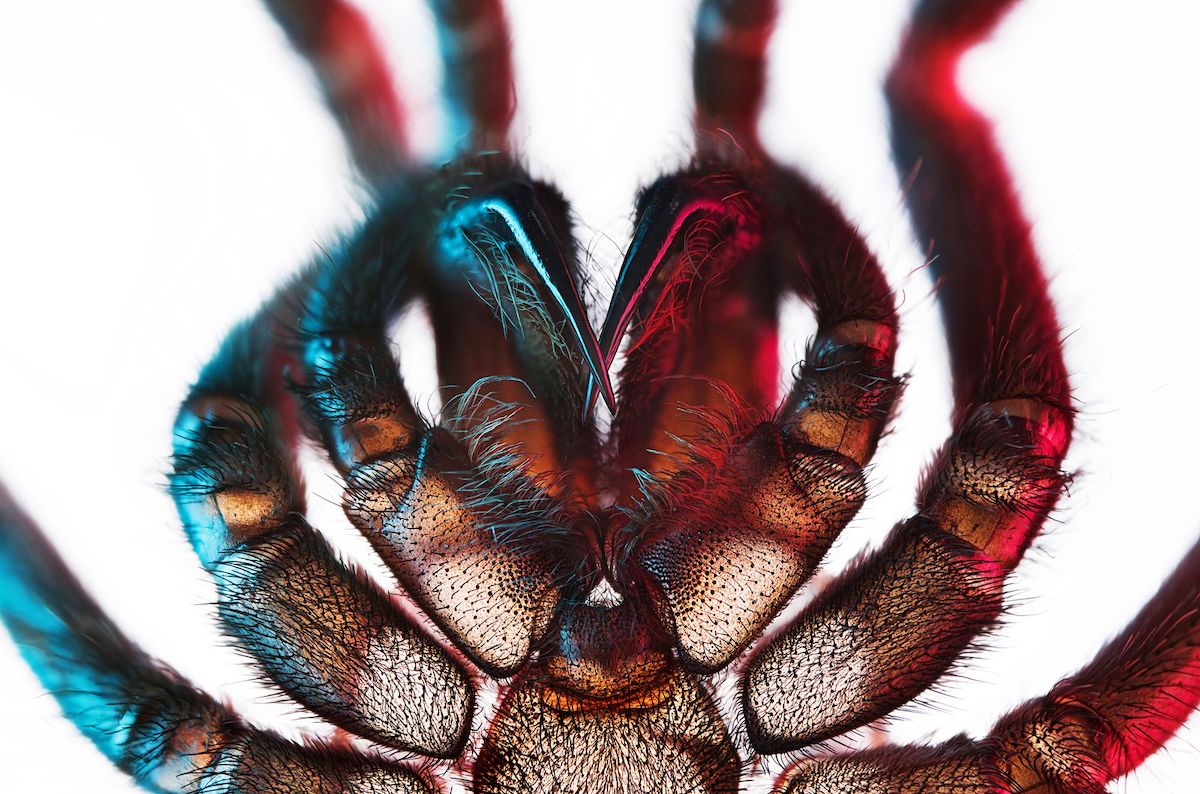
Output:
[[602, 579]]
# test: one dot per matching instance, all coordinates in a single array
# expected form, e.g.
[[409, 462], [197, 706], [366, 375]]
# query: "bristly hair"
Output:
[[361, 279], [499, 280], [700, 486], [707, 254], [498, 486]]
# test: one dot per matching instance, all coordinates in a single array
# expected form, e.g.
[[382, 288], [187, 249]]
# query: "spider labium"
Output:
[[605, 579]]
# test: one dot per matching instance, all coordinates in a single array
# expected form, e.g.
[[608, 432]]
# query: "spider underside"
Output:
[[604, 579]]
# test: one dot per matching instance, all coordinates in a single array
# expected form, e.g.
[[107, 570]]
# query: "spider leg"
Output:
[[742, 483], [1001, 327], [894, 624], [477, 543], [1092, 728], [1104, 721], [139, 713], [326, 635], [957, 767], [729, 68], [337, 41], [480, 96]]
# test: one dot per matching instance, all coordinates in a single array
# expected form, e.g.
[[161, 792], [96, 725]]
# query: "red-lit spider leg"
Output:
[[470, 537], [480, 98], [750, 495], [320, 630], [336, 39], [1103, 722], [729, 71], [139, 713], [890, 627], [1094, 727]]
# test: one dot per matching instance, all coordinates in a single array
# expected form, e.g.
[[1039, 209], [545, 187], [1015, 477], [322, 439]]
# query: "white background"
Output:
[[163, 165]]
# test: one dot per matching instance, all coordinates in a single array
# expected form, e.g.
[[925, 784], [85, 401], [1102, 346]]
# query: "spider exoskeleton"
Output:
[[604, 578]]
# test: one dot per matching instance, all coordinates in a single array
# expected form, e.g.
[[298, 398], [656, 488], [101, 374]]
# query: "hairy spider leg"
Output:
[[479, 93], [895, 623], [1103, 722], [326, 635], [337, 41], [729, 68], [1002, 331], [1092, 728], [477, 543], [754, 491], [146, 719], [955, 767]]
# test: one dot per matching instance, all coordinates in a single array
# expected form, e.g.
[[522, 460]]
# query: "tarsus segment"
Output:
[[140, 714]]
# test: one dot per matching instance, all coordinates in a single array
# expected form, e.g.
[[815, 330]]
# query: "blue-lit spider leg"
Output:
[[715, 246], [354, 78], [139, 713], [1091, 729], [479, 95], [320, 630], [895, 623], [476, 541]]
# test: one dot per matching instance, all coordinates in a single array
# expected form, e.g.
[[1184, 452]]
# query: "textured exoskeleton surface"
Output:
[[573, 605]]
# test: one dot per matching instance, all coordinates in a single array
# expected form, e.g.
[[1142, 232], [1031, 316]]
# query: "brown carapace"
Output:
[[603, 581]]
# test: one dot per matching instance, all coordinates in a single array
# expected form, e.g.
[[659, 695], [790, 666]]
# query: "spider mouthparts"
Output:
[[658, 226], [522, 220], [558, 279], [556, 276], [647, 256]]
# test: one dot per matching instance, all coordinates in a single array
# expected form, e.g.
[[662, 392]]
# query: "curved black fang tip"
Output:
[[665, 214]]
